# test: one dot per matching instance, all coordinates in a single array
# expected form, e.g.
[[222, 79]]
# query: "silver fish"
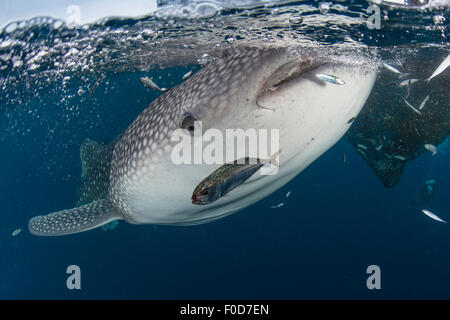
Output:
[[440, 68], [187, 75], [408, 82], [431, 148], [412, 107], [391, 68], [135, 178], [148, 82], [400, 157], [362, 146], [362, 153], [279, 205], [288, 194], [330, 78], [433, 216], [16, 232], [422, 105]]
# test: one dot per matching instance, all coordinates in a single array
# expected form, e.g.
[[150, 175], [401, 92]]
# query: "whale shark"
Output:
[[135, 179]]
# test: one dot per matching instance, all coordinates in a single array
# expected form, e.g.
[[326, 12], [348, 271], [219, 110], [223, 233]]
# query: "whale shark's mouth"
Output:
[[285, 75]]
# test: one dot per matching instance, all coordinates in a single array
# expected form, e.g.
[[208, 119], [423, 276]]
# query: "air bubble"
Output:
[[324, 7], [11, 27], [295, 20], [231, 39]]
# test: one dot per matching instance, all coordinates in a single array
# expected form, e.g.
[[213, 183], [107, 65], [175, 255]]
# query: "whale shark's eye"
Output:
[[205, 192], [188, 122]]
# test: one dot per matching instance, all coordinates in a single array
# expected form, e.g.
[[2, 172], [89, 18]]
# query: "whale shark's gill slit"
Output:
[[74, 220]]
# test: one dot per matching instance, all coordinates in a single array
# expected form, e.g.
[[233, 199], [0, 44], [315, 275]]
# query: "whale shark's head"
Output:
[[246, 89]]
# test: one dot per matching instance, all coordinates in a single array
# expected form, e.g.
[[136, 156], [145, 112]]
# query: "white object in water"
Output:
[[390, 68], [422, 105], [431, 148], [148, 82], [433, 216], [412, 107], [441, 68], [279, 205], [187, 75], [402, 2], [408, 82], [16, 232], [362, 146]]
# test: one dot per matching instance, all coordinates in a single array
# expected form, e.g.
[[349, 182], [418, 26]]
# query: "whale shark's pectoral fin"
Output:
[[86, 217]]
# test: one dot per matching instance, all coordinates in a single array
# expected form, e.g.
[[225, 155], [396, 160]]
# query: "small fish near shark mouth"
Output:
[[134, 178]]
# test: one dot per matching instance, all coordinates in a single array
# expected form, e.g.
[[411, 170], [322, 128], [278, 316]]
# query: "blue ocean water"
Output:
[[338, 220]]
